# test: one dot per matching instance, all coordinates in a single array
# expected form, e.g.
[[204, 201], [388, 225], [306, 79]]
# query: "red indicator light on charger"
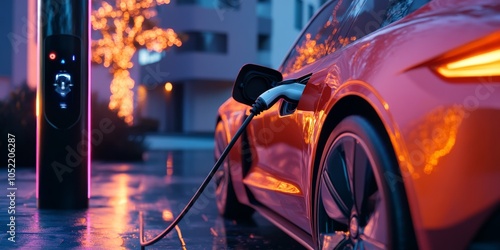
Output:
[[52, 56]]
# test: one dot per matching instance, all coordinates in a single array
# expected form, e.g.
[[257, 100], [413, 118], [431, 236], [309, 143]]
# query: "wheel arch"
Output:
[[347, 106]]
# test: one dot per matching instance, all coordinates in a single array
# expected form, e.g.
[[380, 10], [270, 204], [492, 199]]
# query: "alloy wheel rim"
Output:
[[351, 213]]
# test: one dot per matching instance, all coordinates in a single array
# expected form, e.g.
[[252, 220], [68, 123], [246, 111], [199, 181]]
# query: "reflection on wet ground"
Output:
[[159, 187]]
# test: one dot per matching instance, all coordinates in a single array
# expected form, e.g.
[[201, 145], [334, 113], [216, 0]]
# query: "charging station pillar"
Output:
[[63, 105]]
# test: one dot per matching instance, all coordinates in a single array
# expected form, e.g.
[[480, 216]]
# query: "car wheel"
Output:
[[227, 202], [355, 207]]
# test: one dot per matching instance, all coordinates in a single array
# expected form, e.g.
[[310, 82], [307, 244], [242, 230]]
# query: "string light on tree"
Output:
[[124, 28]]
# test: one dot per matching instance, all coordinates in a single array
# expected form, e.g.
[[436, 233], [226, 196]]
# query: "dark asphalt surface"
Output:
[[159, 187]]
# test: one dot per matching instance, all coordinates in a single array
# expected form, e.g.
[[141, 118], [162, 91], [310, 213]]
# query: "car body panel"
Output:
[[452, 182]]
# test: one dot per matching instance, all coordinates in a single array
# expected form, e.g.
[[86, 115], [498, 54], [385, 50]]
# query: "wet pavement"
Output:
[[159, 187]]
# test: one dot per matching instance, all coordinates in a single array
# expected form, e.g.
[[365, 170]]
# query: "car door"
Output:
[[279, 135]]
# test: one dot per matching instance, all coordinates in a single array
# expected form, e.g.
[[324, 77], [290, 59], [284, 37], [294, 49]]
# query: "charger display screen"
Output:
[[62, 86]]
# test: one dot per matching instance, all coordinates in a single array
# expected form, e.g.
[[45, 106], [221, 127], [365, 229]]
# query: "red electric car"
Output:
[[395, 141]]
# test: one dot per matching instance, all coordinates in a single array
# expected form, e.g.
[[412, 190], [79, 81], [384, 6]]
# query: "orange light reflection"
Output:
[[265, 181], [167, 215], [170, 164], [434, 137], [117, 218], [314, 48]]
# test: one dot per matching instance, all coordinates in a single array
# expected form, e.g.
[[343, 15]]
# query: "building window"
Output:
[[264, 8], [299, 12], [264, 49], [148, 57], [210, 42], [216, 4], [310, 10], [264, 42], [229, 4]]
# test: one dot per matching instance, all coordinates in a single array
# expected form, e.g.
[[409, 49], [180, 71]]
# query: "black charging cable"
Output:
[[253, 112], [291, 90]]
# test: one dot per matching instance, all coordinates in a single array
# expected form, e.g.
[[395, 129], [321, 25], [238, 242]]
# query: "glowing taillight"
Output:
[[475, 60], [485, 64]]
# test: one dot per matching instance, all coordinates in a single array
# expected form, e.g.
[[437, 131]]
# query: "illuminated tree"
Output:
[[126, 27]]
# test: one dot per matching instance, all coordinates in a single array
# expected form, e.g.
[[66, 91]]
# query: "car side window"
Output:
[[365, 17], [417, 4], [320, 38], [401, 8], [341, 22]]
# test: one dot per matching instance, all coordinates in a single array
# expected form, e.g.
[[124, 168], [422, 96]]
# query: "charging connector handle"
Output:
[[290, 92]]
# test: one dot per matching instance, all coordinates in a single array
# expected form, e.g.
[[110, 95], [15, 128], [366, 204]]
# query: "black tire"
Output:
[[227, 202], [360, 202]]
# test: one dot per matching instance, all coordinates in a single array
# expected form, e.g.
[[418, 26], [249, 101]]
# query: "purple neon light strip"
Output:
[[38, 102], [89, 98]]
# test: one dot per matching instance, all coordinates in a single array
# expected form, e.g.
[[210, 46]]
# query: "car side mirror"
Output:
[[252, 81]]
